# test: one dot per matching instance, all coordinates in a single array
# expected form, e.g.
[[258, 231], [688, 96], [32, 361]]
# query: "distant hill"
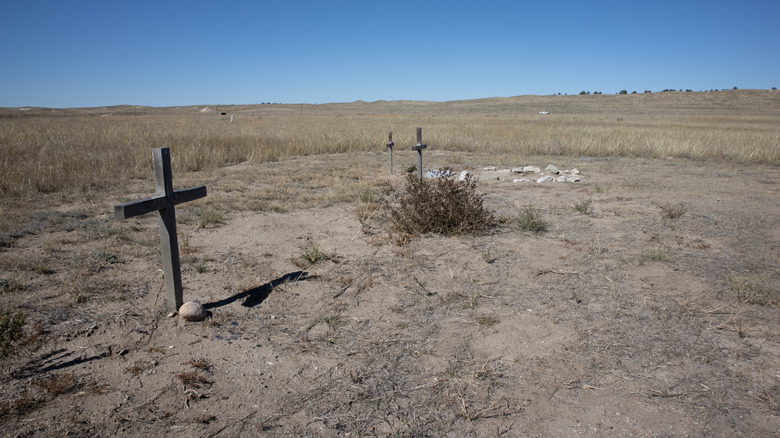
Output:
[[731, 102]]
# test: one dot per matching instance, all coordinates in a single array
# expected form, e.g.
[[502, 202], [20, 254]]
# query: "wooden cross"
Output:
[[390, 145], [163, 203], [419, 147]]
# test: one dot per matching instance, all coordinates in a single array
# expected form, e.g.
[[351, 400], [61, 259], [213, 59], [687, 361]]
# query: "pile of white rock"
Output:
[[550, 174]]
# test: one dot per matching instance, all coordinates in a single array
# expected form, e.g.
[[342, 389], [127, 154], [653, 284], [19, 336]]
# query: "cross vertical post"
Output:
[[390, 145], [419, 147], [163, 202], [169, 244]]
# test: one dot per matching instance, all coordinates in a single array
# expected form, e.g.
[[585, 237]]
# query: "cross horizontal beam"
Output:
[[148, 205]]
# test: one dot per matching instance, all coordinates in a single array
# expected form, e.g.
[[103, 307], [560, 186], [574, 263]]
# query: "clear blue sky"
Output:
[[166, 53]]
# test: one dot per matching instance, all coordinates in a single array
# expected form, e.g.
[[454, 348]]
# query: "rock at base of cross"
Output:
[[193, 311]]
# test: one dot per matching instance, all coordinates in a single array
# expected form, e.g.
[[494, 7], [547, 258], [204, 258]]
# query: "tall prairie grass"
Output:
[[51, 152]]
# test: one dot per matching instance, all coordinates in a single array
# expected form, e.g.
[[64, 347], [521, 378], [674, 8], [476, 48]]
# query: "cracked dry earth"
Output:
[[617, 321]]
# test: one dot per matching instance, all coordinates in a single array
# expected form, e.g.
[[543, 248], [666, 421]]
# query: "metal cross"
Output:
[[419, 147], [390, 145]]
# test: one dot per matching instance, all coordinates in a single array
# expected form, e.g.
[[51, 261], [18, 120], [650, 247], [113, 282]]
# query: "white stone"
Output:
[[489, 169], [519, 180], [488, 176], [517, 170], [561, 178], [552, 169], [575, 172], [464, 176], [193, 311], [532, 169], [546, 179], [437, 173], [503, 171], [573, 178]]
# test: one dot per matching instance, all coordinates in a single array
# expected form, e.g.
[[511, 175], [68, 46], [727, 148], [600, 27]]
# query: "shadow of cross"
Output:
[[163, 203]]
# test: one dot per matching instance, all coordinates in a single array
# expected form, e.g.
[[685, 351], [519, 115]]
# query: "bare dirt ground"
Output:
[[620, 320]]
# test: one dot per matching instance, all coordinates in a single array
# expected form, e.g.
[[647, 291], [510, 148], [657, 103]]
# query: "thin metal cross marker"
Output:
[[419, 147], [390, 145], [163, 203]]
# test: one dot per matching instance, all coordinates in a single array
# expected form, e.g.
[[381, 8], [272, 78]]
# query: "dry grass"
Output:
[[48, 150]]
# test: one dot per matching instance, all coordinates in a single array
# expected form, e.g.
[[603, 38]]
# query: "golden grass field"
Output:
[[45, 150]]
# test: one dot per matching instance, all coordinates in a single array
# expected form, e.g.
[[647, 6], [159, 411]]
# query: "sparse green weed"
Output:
[[487, 320], [10, 330], [653, 255], [584, 206], [7, 285], [278, 208], [209, 216], [530, 220]]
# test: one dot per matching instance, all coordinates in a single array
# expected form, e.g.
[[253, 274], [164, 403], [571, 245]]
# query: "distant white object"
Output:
[[464, 176], [544, 112]]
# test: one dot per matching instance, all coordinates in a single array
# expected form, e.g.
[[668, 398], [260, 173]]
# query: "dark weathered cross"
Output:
[[390, 145], [163, 203], [419, 147]]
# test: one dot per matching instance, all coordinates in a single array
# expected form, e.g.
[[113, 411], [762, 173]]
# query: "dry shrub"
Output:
[[440, 206], [758, 289], [58, 384], [193, 379], [670, 211], [10, 330]]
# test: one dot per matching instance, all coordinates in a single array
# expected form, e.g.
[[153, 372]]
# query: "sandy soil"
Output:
[[617, 321]]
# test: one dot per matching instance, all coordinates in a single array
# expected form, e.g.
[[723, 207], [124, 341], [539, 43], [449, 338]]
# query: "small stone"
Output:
[[561, 178], [489, 169], [573, 178], [532, 169], [519, 180], [464, 176], [193, 311], [546, 179], [552, 169], [503, 171], [575, 172], [518, 169], [489, 176]]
